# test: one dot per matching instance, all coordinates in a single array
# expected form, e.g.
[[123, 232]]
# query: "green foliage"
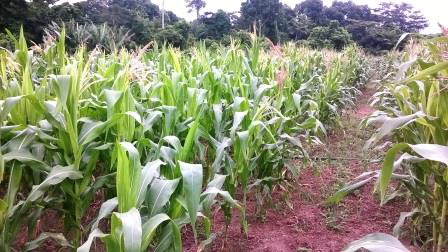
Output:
[[264, 16], [213, 25], [167, 136], [402, 16], [313, 9], [376, 30], [6, 41], [105, 37], [332, 36], [175, 35], [373, 37]]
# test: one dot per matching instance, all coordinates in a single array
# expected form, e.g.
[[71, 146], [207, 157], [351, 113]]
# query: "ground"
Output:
[[302, 222]]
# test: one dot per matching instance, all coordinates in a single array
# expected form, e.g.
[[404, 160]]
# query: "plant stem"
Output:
[[442, 226], [434, 224]]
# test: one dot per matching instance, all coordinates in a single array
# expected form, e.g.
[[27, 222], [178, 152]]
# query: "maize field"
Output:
[[169, 137]]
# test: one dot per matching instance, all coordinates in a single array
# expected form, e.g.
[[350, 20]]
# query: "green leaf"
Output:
[[387, 169], [150, 227], [56, 176], [159, 194], [238, 117], [131, 230], [174, 142], [2, 167], [91, 130], [432, 152], [189, 141], [429, 71], [24, 157], [15, 178], [3, 211], [220, 152], [62, 87], [128, 176], [149, 172], [192, 184], [151, 119], [170, 239], [112, 97], [7, 106]]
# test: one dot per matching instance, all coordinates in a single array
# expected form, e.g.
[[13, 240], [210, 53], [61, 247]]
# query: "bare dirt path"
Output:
[[309, 225]]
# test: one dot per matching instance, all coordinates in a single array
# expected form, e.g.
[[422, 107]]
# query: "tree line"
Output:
[[139, 21]]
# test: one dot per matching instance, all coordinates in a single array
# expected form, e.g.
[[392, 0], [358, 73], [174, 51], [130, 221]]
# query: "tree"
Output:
[[12, 14], [345, 12], [292, 26], [372, 36], [196, 5], [379, 29], [175, 34], [331, 36], [402, 16], [214, 25], [265, 15], [312, 9]]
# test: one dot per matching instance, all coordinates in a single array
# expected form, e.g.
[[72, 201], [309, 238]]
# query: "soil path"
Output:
[[302, 222]]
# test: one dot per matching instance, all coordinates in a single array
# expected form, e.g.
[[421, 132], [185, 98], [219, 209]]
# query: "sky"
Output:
[[436, 11]]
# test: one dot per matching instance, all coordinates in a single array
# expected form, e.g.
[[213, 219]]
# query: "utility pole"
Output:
[[163, 14]]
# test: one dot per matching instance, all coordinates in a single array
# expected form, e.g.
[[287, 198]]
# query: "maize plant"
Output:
[[167, 136], [413, 111]]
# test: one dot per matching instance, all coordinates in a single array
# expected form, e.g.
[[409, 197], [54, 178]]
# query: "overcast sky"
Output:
[[434, 10]]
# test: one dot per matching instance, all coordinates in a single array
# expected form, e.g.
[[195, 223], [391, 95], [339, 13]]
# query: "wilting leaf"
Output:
[[339, 195], [57, 237], [377, 242], [401, 220], [432, 152], [96, 233], [388, 125], [213, 191], [106, 208]]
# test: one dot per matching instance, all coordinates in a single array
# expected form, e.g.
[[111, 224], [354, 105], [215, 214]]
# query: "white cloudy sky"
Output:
[[434, 10]]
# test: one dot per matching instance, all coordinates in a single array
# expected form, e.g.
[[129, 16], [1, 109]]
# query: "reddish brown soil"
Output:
[[310, 225]]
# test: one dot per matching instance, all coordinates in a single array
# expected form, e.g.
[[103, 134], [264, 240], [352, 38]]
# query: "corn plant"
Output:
[[413, 109], [168, 136]]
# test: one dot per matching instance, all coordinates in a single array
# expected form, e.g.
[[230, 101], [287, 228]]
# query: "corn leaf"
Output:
[[192, 185], [376, 242]]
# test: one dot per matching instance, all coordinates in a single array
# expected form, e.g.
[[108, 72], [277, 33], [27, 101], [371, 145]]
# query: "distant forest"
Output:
[[132, 23]]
